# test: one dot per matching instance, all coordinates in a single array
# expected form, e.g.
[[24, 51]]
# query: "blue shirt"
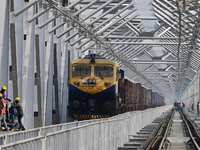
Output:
[[3, 94]]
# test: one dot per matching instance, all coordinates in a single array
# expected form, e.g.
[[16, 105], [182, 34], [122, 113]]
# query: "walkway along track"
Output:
[[176, 131]]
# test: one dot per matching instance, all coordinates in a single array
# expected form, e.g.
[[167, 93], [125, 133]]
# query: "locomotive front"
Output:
[[92, 88]]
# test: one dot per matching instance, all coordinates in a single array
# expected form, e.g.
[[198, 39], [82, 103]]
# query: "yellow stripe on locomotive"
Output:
[[95, 77]]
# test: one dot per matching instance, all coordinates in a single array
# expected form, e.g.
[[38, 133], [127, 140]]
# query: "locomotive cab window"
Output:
[[81, 70], [103, 71]]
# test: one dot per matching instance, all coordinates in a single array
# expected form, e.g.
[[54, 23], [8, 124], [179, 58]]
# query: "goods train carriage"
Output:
[[134, 96], [149, 98], [142, 100], [156, 99], [153, 99], [145, 98], [127, 95], [161, 100], [140, 96], [131, 101], [92, 87], [121, 92]]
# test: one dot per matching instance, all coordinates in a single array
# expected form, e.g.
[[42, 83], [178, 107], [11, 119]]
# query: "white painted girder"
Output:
[[19, 47], [64, 82], [4, 42], [58, 64], [42, 54], [49, 69], [28, 76]]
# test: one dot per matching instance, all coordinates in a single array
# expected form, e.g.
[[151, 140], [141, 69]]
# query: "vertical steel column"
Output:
[[198, 78], [72, 48], [13, 67], [64, 77], [193, 99], [58, 58], [19, 35], [64, 82], [38, 119], [49, 81], [4, 42], [41, 74], [29, 72], [55, 83]]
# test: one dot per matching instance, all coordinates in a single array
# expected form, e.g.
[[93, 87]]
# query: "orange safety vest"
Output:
[[5, 101], [5, 98]]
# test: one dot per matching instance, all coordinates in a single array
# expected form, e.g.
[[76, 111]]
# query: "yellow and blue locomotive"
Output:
[[93, 87]]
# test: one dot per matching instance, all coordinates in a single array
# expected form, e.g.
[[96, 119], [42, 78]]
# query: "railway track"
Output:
[[172, 131]]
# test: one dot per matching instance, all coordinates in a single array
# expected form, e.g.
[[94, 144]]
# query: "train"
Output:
[[98, 89]]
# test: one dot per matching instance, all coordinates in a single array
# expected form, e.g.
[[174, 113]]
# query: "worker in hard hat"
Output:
[[20, 113], [2, 112], [7, 100]]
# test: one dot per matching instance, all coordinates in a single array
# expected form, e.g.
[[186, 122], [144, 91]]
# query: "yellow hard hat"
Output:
[[1, 95], [17, 99], [3, 87]]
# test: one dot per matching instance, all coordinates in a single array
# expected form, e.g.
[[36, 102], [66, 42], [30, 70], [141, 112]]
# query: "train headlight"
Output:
[[90, 81], [107, 84], [93, 81]]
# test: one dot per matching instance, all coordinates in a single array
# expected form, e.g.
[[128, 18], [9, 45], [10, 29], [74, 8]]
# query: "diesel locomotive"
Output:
[[93, 87], [97, 89]]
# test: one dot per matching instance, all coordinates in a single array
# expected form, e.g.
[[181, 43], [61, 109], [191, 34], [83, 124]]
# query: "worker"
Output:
[[2, 112], [198, 108], [16, 104], [7, 100], [179, 106], [183, 106]]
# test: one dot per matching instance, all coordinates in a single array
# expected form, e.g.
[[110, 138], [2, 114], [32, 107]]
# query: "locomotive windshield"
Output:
[[103, 71], [81, 70]]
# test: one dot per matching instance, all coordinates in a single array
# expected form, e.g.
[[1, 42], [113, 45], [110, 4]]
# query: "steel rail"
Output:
[[154, 142], [165, 135], [194, 126], [155, 135], [189, 131], [127, 63]]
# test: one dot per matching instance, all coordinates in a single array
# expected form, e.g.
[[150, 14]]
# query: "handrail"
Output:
[[22, 135]]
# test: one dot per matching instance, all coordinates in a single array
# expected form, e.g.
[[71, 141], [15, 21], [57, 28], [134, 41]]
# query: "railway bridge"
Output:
[[155, 42]]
